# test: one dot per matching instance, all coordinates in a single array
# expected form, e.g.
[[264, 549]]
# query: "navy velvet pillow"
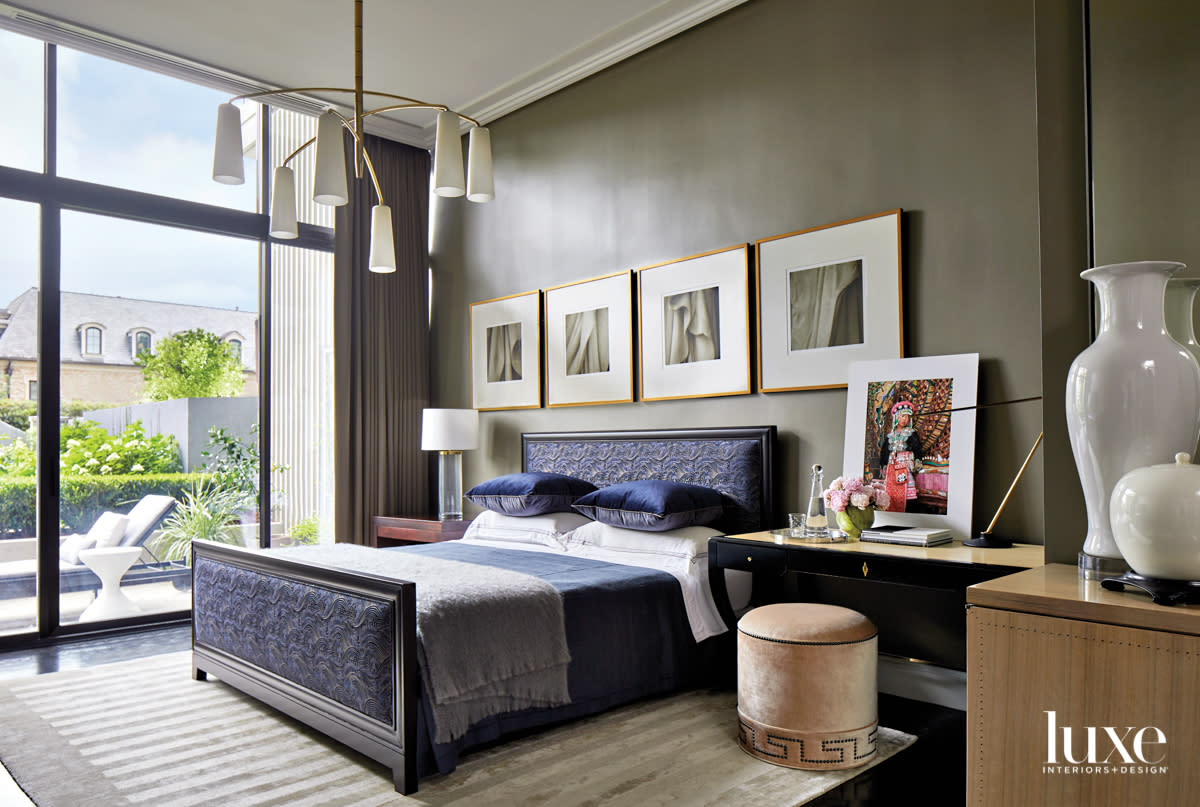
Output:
[[652, 504], [529, 494]]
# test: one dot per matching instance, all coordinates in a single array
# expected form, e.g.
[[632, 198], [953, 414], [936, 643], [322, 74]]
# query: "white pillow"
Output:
[[687, 543], [108, 530], [68, 550], [548, 529]]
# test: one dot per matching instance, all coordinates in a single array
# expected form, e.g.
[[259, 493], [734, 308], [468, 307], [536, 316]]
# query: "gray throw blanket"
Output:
[[488, 640]]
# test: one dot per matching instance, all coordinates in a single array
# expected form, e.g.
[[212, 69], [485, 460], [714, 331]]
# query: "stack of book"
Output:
[[912, 536]]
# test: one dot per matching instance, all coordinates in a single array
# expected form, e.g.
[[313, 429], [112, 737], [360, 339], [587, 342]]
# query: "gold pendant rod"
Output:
[[358, 90]]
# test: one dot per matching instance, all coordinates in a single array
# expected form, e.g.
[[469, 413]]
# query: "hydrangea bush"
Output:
[[86, 448]]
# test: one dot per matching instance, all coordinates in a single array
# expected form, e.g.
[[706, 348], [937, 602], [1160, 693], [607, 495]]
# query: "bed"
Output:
[[338, 650]]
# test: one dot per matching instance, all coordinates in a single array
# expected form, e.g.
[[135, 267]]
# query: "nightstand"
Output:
[[405, 530]]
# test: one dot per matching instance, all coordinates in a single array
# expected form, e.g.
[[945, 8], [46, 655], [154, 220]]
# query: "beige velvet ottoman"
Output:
[[806, 686]]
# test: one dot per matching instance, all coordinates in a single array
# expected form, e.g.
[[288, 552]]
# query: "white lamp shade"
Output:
[[479, 166], [449, 429], [383, 252], [227, 147], [329, 187], [283, 204], [447, 157]]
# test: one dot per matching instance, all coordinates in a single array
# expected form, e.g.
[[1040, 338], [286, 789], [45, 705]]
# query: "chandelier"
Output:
[[329, 185]]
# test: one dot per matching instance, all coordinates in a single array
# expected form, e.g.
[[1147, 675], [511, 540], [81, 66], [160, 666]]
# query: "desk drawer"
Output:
[[751, 558]]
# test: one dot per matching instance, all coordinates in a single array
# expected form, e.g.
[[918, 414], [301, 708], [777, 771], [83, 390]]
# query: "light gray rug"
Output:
[[143, 733]]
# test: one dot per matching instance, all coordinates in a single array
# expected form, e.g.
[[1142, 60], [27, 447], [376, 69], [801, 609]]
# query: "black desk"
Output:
[[916, 596]]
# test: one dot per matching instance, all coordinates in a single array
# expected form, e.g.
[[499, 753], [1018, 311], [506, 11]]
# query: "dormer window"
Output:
[[234, 342], [93, 340], [141, 343]]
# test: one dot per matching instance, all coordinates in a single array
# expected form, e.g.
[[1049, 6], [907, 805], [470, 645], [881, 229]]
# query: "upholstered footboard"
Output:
[[333, 649]]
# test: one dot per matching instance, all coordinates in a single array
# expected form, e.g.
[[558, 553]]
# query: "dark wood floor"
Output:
[[77, 653], [931, 771]]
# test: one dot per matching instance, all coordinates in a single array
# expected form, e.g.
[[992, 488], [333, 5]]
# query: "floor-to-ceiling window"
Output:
[[138, 329]]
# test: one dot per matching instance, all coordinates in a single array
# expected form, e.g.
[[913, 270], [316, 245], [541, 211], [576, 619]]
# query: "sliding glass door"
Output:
[[19, 223], [138, 332]]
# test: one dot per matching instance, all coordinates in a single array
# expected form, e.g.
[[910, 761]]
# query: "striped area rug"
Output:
[[143, 733]]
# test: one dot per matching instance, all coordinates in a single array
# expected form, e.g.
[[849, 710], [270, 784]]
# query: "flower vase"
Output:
[[1133, 396], [853, 520]]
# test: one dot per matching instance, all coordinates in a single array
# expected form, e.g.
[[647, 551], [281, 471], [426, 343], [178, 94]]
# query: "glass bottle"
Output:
[[815, 523]]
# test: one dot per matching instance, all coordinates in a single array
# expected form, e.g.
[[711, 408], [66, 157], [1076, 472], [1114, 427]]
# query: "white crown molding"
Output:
[[659, 23]]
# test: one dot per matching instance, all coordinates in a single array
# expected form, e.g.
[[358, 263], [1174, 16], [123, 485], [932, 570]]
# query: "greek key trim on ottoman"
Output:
[[806, 749]]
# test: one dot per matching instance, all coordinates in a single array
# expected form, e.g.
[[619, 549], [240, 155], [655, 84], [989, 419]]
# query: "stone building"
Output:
[[100, 337]]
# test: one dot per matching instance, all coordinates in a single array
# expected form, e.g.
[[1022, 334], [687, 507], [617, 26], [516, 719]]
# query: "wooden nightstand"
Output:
[[405, 530]]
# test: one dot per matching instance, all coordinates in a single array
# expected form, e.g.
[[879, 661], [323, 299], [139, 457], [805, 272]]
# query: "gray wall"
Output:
[[1145, 115], [777, 116]]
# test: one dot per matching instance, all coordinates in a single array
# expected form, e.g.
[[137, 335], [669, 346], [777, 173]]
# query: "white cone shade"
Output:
[[329, 187], [227, 148], [447, 157], [383, 252], [283, 204], [479, 166]]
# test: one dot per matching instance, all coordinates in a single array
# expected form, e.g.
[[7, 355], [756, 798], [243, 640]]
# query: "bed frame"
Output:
[[258, 620]]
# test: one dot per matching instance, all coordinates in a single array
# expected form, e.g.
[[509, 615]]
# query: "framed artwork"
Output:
[[695, 326], [828, 296], [901, 434], [589, 341], [506, 351]]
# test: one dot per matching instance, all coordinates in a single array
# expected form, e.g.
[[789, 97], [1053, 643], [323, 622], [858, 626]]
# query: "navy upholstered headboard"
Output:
[[737, 461]]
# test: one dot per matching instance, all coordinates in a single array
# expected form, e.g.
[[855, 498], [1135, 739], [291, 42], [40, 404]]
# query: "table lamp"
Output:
[[449, 432]]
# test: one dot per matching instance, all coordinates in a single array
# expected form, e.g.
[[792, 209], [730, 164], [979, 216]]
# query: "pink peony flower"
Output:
[[854, 484], [882, 499], [838, 499], [836, 484], [860, 500]]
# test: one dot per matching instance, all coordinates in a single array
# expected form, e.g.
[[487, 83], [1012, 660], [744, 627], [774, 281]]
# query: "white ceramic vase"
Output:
[[1155, 515], [1133, 396]]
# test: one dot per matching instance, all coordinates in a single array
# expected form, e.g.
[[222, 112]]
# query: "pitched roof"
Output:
[[119, 318]]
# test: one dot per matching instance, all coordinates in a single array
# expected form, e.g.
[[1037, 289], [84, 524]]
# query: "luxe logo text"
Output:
[[1103, 749]]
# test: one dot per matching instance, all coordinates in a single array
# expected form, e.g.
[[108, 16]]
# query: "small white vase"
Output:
[[1155, 515], [1133, 396]]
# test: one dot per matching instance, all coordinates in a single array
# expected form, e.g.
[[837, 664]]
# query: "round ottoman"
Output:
[[806, 685]]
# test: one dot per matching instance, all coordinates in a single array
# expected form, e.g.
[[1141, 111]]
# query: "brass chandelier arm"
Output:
[[418, 105], [299, 149], [409, 103]]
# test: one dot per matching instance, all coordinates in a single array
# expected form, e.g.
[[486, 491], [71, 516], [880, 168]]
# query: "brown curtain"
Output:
[[381, 347]]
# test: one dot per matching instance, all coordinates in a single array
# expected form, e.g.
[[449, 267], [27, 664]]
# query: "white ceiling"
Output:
[[483, 58]]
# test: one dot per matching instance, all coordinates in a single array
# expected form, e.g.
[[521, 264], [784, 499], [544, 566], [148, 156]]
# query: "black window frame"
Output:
[[54, 194]]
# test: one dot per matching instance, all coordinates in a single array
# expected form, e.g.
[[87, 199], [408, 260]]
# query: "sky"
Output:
[[119, 125]]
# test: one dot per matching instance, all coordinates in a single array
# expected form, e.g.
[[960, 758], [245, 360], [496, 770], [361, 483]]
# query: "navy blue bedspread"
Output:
[[626, 629]]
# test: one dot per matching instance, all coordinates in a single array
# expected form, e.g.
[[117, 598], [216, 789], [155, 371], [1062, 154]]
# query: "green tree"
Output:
[[191, 364]]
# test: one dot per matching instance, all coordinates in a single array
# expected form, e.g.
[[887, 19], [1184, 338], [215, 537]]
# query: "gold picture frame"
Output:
[[694, 317], [828, 296], [589, 341], [506, 352]]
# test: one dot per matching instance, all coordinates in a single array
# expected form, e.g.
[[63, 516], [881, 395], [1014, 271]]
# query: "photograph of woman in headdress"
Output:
[[900, 457]]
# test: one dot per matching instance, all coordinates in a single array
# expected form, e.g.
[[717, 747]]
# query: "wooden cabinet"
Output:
[[1064, 677], [405, 530]]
